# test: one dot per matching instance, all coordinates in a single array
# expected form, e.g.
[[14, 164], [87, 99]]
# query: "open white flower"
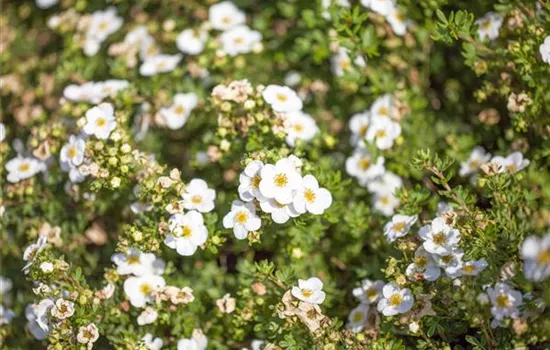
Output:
[[383, 131], [535, 253], [137, 263], [100, 121], [242, 219], [477, 158], [62, 309], [198, 196], [147, 316], [280, 181], [399, 226], [544, 50], [359, 124], [489, 26], [369, 292], [450, 262], [152, 343], [225, 15], [424, 267], [357, 318], [504, 300], [382, 107], [341, 62], [191, 41], [310, 291], [240, 40], [102, 24], [187, 232], [362, 166], [32, 251], [439, 238], [466, 268], [398, 22], [88, 334], [37, 317], [139, 290], [309, 197], [513, 163], [385, 203], [160, 63], [21, 168], [282, 98], [280, 213], [73, 151], [178, 113], [301, 126], [394, 300], [249, 182], [382, 7]]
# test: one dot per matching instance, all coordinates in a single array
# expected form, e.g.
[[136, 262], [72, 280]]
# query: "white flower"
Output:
[[311, 198], [396, 18], [46, 4], [513, 163], [187, 232], [382, 107], [139, 289], [282, 98], [94, 92], [341, 63], [147, 316], [197, 341], [466, 268], [395, 301], [88, 334], [301, 126], [160, 63], [293, 78], [178, 113], [504, 300], [535, 253], [20, 168], [62, 309], [2, 132], [439, 238], [137, 263], [544, 50], [242, 219], [152, 343], [32, 251], [369, 292], [450, 262], [37, 317], [198, 196], [359, 124], [388, 182], [191, 41], [100, 121], [383, 131], [225, 15], [477, 158], [280, 213], [399, 226], [5, 285], [424, 267], [240, 39], [357, 318], [381, 7], [310, 291], [385, 203], [102, 24], [362, 166], [46, 267], [489, 26], [280, 181], [249, 182], [73, 151]]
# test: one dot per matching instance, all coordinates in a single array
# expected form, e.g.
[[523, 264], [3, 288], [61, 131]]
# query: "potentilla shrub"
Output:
[[194, 175]]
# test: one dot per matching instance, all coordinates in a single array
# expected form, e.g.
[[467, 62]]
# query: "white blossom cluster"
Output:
[[277, 189], [512, 163], [94, 92]]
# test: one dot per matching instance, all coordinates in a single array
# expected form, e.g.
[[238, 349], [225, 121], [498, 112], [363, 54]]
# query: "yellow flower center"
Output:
[[399, 226], [255, 181], [381, 133], [180, 109], [543, 257], [241, 217], [502, 300], [511, 168], [468, 268], [474, 164], [364, 163], [282, 97], [72, 152], [357, 317], [196, 199], [133, 260], [309, 195], [280, 180], [146, 288], [421, 261], [372, 293], [439, 238], [345, 64], [383, 111], [298, 128], [101, 122], [363, 130], [161, 66], [385, 200], [307, 293], [103, 26], [238, 41], [24, 167], [187, 231], [447, 259], [226, 20], [395, 299]]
